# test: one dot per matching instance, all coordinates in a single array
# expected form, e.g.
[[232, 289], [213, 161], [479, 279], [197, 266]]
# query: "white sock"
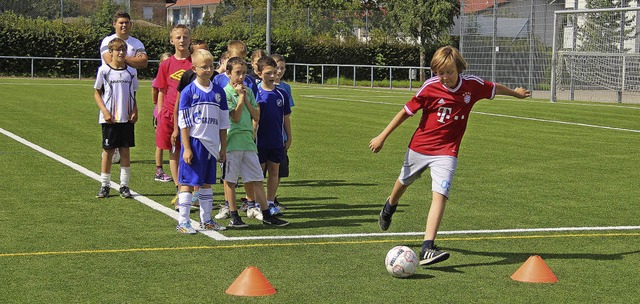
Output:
[[105, 179], [271, 203], [184, 206], [125, 173], [206, 204]]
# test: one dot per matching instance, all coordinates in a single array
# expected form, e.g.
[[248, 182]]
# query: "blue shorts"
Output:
[[274, 155], [202, 169]]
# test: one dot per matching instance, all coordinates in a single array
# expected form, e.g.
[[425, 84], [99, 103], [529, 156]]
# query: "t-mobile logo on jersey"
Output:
[[444, 113]]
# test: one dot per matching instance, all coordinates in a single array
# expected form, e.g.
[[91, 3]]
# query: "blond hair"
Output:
[[164, 56], [117, 44], [446, 55], [202, 54], [237, 48], [278, 58], [180, 27], [257, 54]]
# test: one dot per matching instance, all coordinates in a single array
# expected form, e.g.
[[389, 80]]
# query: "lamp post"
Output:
[[268, 42]]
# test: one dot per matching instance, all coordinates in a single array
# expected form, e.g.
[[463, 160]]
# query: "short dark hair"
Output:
[[119, 15], [266, 61], [235, 61]]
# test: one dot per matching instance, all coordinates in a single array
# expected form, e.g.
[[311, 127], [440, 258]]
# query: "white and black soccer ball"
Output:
[[401, 262], [116, 157]]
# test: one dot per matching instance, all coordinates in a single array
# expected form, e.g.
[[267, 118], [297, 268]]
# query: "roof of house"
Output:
[[472, 6], [181, 3]]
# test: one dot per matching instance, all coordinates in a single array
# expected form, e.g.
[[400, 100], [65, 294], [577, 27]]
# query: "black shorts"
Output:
[[284, 166], [119, 135]]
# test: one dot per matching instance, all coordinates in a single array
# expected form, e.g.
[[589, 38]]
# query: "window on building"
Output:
[[147, 12], [176, 17], [196, 16]]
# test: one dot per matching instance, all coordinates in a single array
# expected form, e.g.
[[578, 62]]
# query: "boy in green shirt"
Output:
[[242, 157]]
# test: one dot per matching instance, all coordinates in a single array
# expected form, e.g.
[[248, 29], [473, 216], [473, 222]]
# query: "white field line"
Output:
[[382, 234], [140, 198], [485, 113], [219, 237]]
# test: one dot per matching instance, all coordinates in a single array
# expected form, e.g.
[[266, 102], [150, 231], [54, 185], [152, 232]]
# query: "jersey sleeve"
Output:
[[224, 120], [232, 100], [99, 79], [287, 88], [104, 45], [287, 105], [486, 89], [184, 109], [139, 47], [134, 78], [184, 80], [161, 77], [414, 105]]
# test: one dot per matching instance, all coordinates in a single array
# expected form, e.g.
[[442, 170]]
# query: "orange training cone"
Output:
[[534, 270], [251, 282]]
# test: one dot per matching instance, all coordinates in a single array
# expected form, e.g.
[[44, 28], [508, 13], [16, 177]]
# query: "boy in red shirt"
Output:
[[446, 101], [168, 78]]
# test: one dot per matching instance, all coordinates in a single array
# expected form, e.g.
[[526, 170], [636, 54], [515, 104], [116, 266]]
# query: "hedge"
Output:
[[80, 39]]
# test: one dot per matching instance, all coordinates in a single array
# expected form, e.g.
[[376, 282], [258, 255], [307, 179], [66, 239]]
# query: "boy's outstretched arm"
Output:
[[377, 142], [517, 92]]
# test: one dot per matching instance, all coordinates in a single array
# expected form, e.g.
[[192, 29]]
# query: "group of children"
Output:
[[203, 116], [242, 121]]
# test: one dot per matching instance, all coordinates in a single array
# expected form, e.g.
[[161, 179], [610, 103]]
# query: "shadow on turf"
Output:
[[321, 183], [519, 258]]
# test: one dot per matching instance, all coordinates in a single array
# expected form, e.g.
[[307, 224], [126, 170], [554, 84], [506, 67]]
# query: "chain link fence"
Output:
[[510, 42]]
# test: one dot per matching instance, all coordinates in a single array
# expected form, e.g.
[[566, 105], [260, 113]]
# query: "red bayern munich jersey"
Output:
[[168, 78], [445, 113]]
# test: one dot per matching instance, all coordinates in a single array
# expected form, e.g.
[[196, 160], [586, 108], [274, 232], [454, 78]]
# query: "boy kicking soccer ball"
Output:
[[446, 101]]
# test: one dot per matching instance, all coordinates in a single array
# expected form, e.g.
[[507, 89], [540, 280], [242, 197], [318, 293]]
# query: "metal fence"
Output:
[[335, 74], [509, 41]]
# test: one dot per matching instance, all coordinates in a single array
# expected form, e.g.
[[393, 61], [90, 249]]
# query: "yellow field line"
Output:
[[237, 246]]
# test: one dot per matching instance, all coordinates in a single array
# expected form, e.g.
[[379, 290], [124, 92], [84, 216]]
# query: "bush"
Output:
[[81, 39]]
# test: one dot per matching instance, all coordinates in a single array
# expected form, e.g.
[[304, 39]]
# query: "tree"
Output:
[[605, 32], [41, 8], [426, 22]]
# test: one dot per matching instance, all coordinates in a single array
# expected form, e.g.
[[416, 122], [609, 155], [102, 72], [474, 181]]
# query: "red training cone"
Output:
[[534, 270], [251, 282]]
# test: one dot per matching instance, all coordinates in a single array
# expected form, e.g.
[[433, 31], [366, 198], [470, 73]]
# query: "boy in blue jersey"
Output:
[[284, 165], [242, 159], [236, 48], [115, 95], [273, 126], [203, 119]]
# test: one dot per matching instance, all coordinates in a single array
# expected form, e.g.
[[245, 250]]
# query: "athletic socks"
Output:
[[427, 244], [206, 204], [125, 173], [105, 179], [184, 207], [390, 209]]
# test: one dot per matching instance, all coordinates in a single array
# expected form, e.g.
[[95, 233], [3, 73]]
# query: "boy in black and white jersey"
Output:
[[115, 89]]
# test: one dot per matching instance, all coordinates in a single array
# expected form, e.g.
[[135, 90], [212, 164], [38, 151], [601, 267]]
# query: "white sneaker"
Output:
[[223, 213], [255, 213], [211, 225], [185, 228]]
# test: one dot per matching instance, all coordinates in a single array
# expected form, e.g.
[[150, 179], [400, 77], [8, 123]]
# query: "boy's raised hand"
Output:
[[522, 92], [240, 89]]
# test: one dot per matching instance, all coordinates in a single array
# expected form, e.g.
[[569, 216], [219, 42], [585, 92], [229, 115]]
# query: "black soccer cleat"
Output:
[[432, 256]]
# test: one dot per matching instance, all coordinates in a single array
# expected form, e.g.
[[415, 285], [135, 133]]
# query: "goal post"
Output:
[[596, 55]]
